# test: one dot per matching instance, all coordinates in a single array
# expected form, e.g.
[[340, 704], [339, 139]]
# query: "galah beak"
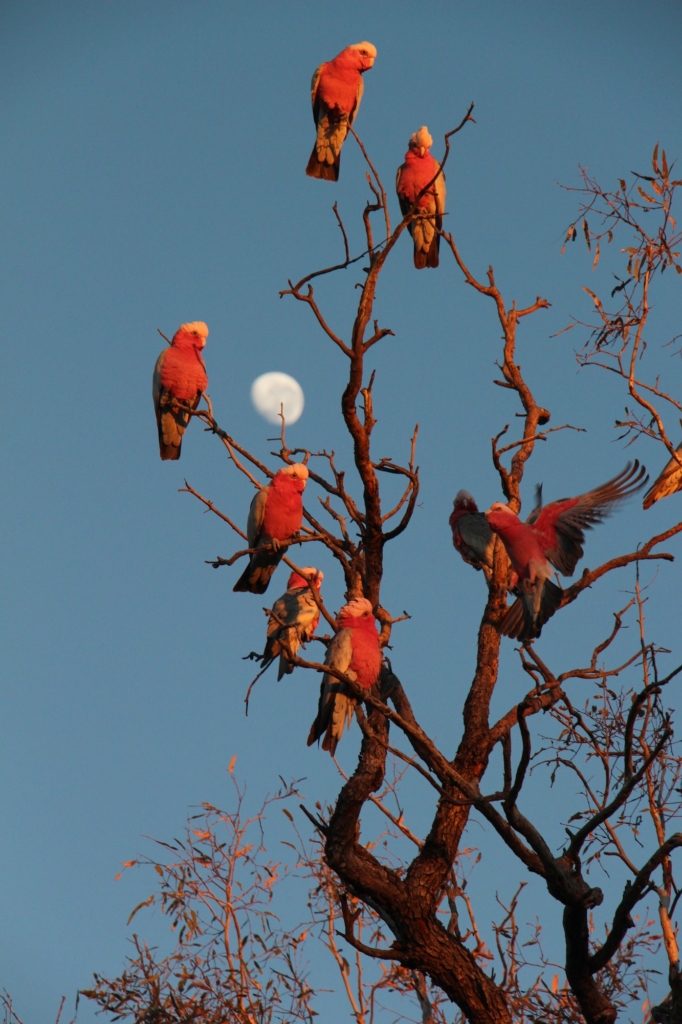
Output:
[[422, 150]]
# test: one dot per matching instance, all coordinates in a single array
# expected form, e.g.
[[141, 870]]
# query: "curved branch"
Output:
[[632, 894]]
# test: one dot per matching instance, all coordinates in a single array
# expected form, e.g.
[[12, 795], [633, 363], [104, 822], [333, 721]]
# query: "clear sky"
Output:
[[152, 172]]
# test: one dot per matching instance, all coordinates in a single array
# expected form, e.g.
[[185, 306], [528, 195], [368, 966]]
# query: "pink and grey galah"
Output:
[[275, 517], [669, 482], [552, 538], [419, 170], [471, 532], [355, 652], [294, 619], [336, 93], [179, 379]]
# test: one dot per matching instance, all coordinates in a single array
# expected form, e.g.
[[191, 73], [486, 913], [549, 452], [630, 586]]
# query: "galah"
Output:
[[471, 533], [354, 651], [336, 91], [552, 536], [294, 619], [669, 482], [275, 517], [179, 377], [420, 169]]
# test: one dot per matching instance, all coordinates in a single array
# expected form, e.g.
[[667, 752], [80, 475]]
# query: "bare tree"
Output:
[[232, 959], [618, 749]]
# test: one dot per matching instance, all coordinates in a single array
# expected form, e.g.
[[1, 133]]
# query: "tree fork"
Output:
[[422, 943]]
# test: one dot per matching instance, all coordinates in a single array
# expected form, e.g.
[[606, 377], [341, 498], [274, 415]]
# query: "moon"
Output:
[[271, 390]]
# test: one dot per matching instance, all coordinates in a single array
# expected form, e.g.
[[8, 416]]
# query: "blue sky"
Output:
[[152, 172]]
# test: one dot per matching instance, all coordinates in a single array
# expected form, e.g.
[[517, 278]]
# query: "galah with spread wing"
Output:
[[552, 538], [419, 169], [669, 482], [471, 533], [336, 92], [179, 377], [275, 517], [294, 620], [354, 651]]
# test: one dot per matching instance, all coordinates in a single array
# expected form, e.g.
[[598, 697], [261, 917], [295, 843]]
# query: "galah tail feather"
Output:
[[471, 533], [355, 652], [552, 538], [669, 482], [179, 377], [336, 92], [294, 619], [275, 518], [419, 170]]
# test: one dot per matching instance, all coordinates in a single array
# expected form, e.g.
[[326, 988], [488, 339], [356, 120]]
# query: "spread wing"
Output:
[[560, 525], [358, 99], [667, 483], [256, 515]]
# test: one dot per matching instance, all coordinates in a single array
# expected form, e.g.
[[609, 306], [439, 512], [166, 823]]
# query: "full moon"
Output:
[[271, 390]]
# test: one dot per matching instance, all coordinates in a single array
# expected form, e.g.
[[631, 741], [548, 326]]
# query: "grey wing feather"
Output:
[[313, 92], [335, 707], [358, 100], [538, 506], [478, 536], [156, 379], [286, 610], [340, 652], [282, 628], [668, 482], [256, 515], [405, 205], [441, 192]]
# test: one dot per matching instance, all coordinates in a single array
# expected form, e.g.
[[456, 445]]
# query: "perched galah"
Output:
[[669, 482], [355, 652], [275, 517], [336, 92], [471, 533], [552, 536], [294, 620], [420, 169], [179, 376]]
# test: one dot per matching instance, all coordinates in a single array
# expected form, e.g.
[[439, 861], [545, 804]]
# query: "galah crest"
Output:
[[294, 620], [336, 91], [471, 533], [179, 377], [275, 517], [552, 536], [355, 652], [669, 482], [420, 169]]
